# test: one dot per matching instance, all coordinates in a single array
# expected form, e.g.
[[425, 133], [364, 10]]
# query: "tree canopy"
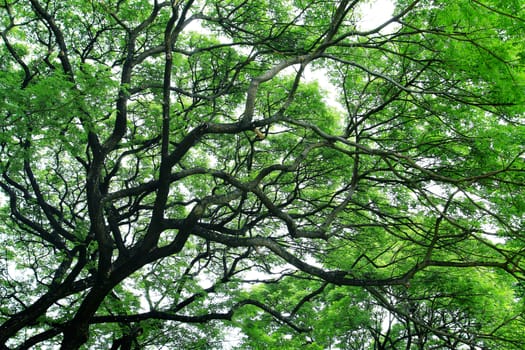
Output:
[[202, 174]]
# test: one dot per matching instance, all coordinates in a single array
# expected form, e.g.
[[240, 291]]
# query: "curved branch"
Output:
[[166, 315], [59, 36], [337, 277]]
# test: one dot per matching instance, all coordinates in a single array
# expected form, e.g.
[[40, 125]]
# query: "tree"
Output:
[[173, 175]]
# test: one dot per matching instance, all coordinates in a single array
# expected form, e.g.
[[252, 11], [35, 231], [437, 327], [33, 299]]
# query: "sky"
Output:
[[375, 13]]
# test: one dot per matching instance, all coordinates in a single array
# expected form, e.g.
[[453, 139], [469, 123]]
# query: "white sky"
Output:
[[375, 13]]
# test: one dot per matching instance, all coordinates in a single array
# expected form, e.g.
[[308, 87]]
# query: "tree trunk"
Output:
[[77, 331]]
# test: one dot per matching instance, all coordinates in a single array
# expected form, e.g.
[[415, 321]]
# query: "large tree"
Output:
[[174, 175]]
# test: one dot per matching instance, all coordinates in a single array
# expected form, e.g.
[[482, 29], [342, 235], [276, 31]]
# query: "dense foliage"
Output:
[[201, 174]]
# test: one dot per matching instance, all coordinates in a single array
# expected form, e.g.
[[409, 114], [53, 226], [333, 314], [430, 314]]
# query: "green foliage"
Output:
[[261, 175]]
